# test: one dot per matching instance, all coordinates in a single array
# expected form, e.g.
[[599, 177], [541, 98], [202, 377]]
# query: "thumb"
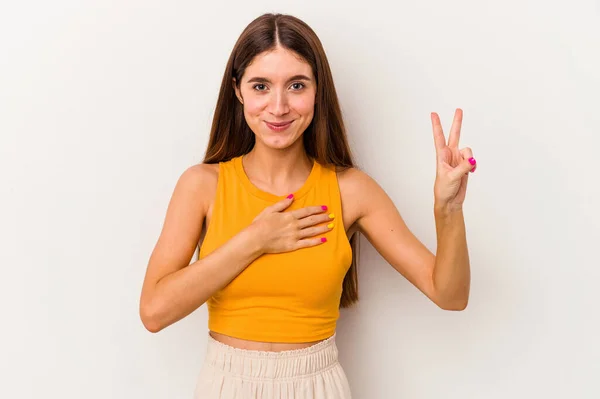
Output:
[[283, 204], [467, 165]]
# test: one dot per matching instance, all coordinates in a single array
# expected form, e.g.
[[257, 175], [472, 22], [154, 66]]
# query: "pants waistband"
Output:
[[256, 364]]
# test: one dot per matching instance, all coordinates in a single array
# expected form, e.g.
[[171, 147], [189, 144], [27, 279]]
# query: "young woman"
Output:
[[274, 209]]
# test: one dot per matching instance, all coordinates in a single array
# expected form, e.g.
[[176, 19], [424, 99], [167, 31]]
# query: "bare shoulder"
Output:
[[202, 173], [205, 178], [354, 185], [201, 178], [352, 179], [194, 189]]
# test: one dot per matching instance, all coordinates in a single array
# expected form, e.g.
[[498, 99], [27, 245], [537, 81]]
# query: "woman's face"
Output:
[[278, 95]]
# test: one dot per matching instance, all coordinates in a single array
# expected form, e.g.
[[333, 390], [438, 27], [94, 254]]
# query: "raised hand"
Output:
[[453, 164]]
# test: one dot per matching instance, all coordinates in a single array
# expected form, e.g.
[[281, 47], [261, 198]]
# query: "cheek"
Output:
[[303, 105], [254, 106]]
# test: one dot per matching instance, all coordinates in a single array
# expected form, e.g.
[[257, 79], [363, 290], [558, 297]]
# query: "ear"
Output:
[[238, 94]]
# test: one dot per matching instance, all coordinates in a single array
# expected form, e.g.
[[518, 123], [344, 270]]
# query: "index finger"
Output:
[[307, 211]]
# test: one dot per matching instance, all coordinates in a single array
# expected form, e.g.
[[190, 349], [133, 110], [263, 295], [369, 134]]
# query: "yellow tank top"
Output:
[[286, 297]]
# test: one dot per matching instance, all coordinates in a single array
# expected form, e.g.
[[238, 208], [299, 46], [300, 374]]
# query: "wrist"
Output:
[[255, 238], [447, 209]]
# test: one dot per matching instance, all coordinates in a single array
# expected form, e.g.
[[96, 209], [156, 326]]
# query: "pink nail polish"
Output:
[[323, 239], [473, 170], [291, 196], [324, 207], [472, 161]]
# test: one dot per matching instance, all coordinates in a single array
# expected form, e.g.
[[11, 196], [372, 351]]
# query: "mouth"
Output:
[[278, 126]]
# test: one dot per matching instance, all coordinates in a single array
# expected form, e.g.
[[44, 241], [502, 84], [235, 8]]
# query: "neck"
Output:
[[278, 171]]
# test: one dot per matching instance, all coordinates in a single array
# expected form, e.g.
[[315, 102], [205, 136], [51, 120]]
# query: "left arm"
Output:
[[445, 277]]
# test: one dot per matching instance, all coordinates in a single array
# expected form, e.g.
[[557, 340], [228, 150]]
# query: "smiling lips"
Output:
[[278, 126]]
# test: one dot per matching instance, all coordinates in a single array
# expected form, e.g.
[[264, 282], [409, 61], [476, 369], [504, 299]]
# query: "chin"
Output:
[[278, 143], [277, 140]]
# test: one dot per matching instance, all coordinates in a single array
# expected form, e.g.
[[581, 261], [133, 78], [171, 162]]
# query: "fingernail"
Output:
[[290, 196], [330, 225], [331, 216], [473, 170], [324, 207], [323, 239], [472, 161]]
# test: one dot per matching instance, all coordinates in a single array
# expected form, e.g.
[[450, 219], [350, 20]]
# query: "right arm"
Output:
[[173, 288]]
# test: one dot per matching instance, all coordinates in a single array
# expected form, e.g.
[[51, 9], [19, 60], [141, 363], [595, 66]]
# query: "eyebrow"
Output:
[[259, 79]]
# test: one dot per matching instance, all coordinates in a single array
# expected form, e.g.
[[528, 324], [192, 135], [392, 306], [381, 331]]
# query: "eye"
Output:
[[257, 85], [298, 83]]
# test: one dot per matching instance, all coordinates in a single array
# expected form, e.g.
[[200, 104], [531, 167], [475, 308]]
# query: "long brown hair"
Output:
[[324, 139]]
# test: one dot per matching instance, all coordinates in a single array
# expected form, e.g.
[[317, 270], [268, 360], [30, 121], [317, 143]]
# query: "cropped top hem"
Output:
[[273, 336]]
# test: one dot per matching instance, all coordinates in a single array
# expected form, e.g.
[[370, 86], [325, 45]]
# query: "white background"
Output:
[[103, 104]]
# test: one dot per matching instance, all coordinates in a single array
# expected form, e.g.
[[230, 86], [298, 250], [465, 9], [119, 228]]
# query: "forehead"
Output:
[[278, 64]]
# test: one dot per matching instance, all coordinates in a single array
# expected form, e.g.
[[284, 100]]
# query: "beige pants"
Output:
[[310, 373]]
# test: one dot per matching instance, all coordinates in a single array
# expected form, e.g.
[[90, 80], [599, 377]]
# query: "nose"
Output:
[[278, 104]]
